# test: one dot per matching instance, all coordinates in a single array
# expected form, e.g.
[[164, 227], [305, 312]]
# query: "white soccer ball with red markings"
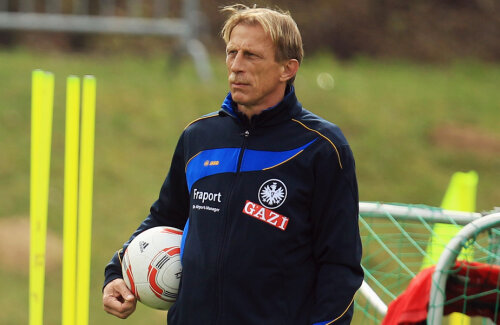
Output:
[[152, 267]]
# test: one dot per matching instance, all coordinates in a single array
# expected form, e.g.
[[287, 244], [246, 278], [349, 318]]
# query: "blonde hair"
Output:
[[279, 25]]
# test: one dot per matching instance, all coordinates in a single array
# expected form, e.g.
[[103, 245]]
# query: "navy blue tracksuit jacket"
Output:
[[270, 208]]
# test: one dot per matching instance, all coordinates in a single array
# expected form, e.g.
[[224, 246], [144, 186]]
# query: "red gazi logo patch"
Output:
[[263, 214]]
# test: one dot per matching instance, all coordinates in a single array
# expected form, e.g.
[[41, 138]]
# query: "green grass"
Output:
[[388, 111]]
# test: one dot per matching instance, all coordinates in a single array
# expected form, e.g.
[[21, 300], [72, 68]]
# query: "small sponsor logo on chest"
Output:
[[266, 215], [206, 196]]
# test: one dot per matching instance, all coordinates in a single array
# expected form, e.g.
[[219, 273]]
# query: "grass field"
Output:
[[410, 127]]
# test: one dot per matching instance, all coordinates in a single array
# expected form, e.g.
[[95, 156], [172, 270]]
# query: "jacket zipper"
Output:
[[227, 222]]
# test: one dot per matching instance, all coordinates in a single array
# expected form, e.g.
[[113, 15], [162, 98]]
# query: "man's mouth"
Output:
[[236, 82], [239, 84]]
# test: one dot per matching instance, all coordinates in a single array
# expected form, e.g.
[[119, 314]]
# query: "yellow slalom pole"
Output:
[[42, 98], [72, 135], [85, 200], [460, 196], [35, 296], [464, 200]]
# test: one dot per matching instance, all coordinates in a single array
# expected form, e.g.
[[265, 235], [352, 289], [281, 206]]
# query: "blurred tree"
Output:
[[430, 30], [426, 30]]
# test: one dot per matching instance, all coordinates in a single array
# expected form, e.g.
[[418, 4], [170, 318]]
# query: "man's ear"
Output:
[[290, 68]]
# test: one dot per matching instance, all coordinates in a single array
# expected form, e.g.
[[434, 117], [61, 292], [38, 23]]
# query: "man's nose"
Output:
[[237, 63]]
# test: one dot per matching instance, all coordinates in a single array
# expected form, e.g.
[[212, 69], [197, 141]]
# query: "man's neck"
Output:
[[251, 110]]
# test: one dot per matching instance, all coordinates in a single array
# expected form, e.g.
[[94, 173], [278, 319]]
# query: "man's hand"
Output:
[[118, 300]]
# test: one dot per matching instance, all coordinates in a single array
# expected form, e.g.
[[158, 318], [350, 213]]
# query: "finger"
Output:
[[112, 303], [129, 306], [115, 307], [118, 300], [124, 291], [117, 288], [116, 313], [111, 288]]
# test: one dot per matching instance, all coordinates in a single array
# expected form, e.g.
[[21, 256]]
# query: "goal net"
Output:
[[400, 240]]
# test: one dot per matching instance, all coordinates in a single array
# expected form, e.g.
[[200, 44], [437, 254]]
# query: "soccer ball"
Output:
[[152, 267]]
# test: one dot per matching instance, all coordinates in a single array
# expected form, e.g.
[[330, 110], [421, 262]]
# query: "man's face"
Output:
[[255, 78]]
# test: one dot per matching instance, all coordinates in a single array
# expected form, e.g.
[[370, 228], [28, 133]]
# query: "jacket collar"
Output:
[[284, 110]]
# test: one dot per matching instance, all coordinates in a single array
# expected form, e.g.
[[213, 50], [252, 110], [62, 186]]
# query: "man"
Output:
[[279, 242]]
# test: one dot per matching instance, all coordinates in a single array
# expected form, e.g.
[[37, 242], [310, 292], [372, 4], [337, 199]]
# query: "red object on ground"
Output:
[[465, 279]]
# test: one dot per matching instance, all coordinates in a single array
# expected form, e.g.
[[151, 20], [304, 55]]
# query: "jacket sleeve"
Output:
[[337, 243], [171, 209]]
